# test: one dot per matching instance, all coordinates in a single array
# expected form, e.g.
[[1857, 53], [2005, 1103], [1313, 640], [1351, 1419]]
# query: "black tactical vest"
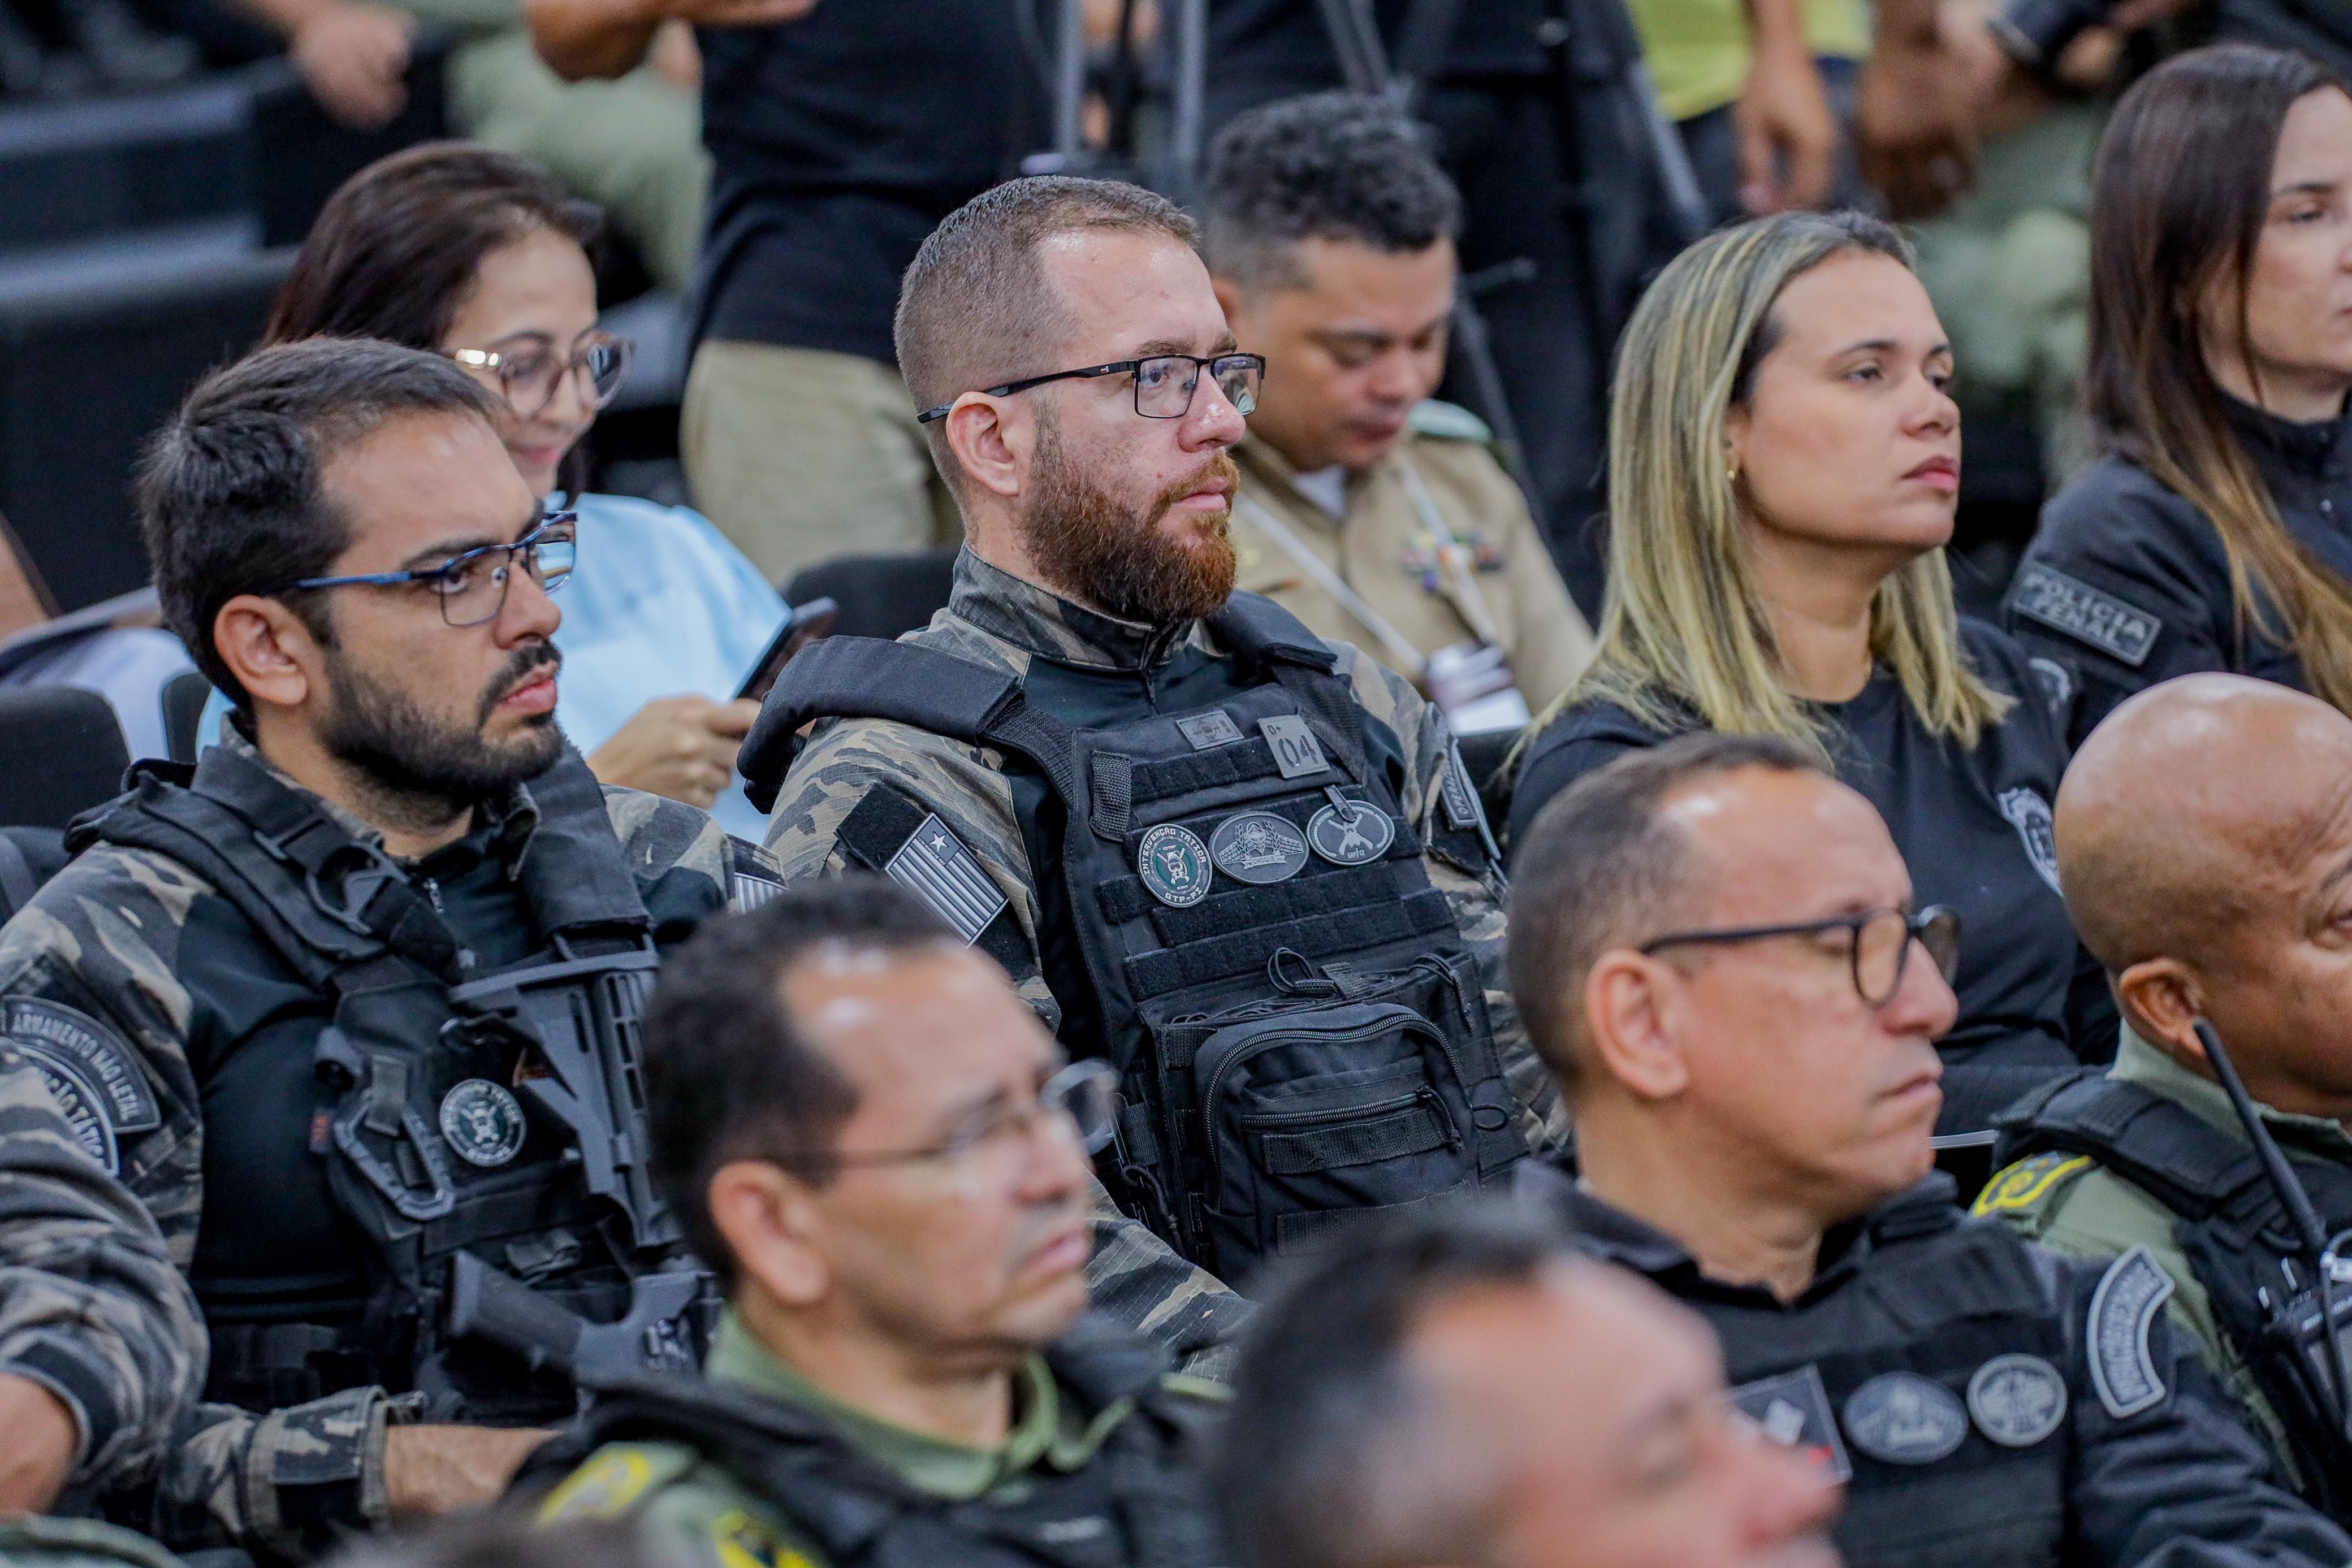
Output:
[[1134, 1505], [1934, 1381], [485, 1139], [2234, 1226], [1302, 1038]]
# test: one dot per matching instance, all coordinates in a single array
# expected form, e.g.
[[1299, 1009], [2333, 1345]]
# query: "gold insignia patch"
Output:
[[2028, 1182], [742, 1541], [604, 1487]]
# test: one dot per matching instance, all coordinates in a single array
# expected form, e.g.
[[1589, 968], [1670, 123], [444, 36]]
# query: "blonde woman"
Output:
[[1784, 463]]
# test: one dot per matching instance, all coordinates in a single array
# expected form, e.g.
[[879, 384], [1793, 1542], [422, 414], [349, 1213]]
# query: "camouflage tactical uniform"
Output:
[[154, 972], [1000, 623], [90, 1303]]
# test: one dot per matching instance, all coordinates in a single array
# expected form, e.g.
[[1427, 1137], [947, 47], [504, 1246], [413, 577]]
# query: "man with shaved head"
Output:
[[1716, 945], [2205, 843], [1202, 841]]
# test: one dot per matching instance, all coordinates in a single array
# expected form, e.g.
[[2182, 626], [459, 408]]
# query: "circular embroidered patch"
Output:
[[483, 1122], [1257, 847], [2017, 1400], [1174, 866], [1357, 836], [1904, 1418]]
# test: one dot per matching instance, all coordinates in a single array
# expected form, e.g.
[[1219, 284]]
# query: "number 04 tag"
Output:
[[1297, 752]]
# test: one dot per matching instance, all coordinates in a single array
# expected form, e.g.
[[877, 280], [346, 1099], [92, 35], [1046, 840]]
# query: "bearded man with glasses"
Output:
[[1241, 864], [883, 1154], [1713, 948], [350, 1006]]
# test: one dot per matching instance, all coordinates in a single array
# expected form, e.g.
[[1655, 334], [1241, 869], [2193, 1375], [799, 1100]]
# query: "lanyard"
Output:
[[1403, 653]]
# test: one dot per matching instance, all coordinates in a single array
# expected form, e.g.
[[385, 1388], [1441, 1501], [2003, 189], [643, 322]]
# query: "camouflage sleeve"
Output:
[[283, 1487], [90, 988], [963, 785], [1138, 1282], [1471, 879], [90, 1303]]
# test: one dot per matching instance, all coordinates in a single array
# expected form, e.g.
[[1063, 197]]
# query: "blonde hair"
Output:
[[1684, 626]]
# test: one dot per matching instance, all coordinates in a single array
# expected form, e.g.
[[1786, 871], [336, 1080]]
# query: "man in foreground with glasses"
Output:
[[883, 1154], [350, 1006], [1200, 839], [1715, 950], [2214, 893]]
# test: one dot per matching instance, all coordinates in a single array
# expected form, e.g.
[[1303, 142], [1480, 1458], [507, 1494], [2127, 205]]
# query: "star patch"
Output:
[[934, 863]]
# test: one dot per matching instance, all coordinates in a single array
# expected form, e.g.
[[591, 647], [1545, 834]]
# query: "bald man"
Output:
[[2205, 844]]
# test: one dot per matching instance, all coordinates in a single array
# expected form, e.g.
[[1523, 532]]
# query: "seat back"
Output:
[[879, 595], [65, 754]]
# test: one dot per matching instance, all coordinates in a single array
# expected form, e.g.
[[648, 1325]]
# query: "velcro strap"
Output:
[[1126, 898], [1216, 768], [1152, 974], [1113, 807], [1415, 1129]]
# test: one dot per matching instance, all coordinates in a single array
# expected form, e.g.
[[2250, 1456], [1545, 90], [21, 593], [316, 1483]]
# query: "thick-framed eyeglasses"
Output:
[[472, 587], [1082, 1100], [1164, 383], [530, 372], [1878, 948]]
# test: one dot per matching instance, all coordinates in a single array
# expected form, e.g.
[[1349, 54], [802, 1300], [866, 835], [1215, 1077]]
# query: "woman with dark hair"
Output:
[[2216, 534], [481, 256]]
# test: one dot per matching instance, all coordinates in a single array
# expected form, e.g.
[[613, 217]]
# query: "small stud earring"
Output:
[[1731, 476]]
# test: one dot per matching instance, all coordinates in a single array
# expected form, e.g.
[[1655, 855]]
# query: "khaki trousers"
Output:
[[801, 454]]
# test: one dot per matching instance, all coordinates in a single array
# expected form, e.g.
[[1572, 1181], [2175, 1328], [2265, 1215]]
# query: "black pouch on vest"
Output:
[[1319, 1112]]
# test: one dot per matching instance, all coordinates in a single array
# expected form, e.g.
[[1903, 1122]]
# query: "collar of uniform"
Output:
[[2138, 1061], [1046, 1430], [1263, 465], [1042, 622], [2310, 449], [1644, 1248], [510, 816]]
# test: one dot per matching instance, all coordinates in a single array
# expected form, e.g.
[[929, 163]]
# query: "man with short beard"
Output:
[[1242, 865], [350, 1007]]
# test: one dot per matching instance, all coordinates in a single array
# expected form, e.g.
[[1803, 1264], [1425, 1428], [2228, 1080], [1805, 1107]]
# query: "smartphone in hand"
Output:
[[805, 625]]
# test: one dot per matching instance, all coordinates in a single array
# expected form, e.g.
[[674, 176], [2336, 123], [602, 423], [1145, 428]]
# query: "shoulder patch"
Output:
[[2132, 1291], [2030, 1183], [887, 830], [90, 1071], [2120, 630], [615, 1479], [738, 1541], [752, 877], [1448, 422]]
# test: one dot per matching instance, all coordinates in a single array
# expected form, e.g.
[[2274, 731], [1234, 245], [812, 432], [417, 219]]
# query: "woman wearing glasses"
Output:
[[1784, 465], [481, 256]]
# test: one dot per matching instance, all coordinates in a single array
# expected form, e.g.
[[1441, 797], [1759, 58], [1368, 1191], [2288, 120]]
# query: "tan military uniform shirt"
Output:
[[1385, 551]]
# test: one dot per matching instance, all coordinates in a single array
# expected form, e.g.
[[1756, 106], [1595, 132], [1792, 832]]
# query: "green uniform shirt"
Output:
[[2073, 1204], [693, 1508], [1698, 49]]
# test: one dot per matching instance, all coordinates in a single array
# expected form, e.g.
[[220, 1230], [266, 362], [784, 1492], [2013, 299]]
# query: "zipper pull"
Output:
[[433, 892]]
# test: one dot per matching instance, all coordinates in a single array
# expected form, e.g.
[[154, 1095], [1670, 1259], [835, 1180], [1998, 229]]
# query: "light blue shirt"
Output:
[[660, 605]]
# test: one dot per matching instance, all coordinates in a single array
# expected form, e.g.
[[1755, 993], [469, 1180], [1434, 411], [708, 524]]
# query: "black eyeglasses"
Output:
[[529, 373], [472, 587], [1164, 383], [1878, 944]]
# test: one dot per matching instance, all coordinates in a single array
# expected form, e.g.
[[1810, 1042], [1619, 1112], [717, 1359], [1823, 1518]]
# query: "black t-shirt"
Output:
[[1974, 827], [1286, 40], [2127, 585], [839, 141]]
